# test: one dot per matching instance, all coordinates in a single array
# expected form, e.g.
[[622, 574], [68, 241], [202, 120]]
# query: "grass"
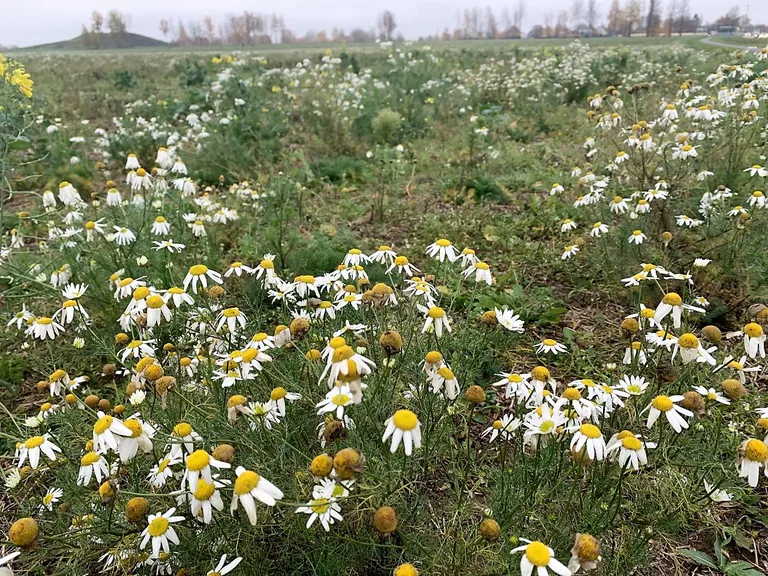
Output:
[[357, 150]]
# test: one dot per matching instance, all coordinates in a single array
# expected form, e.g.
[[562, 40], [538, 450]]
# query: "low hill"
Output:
[[91, 41]]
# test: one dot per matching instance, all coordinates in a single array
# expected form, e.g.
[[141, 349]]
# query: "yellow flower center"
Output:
[[341, 399], [342, 353], [443, 243], [672, 299], [267, 264], [538, 554], [436, 312], [688, 341], [498, 424], [278, 393], [662, 403], [549, 342], [198, 460], [204, 490], [405, 420], [482, 266], [446, 373], [646, 313], [182, 430], [231, 313], [198, 269], [571, 394], [102, 424], [45, 320], [125, 282], [157, 527], [89, 459], [34, 442], [590, 430], [134, 426], [305, 279], [547, 426], [401, 261], [155, 302], [756, 451], [246, 482], [433, 357], [57, 375], [320, 505], [540, 373], [753, 330]]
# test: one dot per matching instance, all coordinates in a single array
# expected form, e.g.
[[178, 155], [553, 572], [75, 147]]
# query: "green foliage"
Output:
[[386, 125]]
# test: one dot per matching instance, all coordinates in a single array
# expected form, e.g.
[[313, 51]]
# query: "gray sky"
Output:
[[26, 22]]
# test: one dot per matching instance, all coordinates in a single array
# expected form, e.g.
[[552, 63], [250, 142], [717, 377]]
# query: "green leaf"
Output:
[[20, 143], [741, 568], [701, 558]]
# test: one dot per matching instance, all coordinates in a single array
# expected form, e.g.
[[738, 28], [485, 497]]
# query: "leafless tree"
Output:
[[519, 14], [682, 16], [491, 28], [592, 16], [387, 24], [97, 22], [165, 27], [652, 19], [577, 12]]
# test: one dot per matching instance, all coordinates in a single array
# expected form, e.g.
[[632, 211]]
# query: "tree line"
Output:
[[582, 18]]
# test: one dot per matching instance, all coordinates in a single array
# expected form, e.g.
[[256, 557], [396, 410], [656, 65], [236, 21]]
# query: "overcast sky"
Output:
[[27, 22]]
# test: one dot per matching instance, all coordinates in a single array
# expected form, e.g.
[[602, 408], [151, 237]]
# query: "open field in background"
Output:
[[589, 217]]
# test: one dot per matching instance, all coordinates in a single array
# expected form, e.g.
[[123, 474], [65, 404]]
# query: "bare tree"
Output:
[[210, 30], [491, 28], [671, 16], [592, 16], [519, 14], [652, 19], [387, 24], [165, 27], [561, 26], [97, 22], [577, 12], [682, 16], [633, 15], [615, 18], [548, 17]]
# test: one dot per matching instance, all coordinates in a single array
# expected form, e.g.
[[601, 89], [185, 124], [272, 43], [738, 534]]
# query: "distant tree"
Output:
[[682, 17], [577, 12], [117, 23], [387, 24], [671, 21], [561, 26], [518, 15], [548, 32], [182, 38], [633, 16], [97, 22], [321, 37], [615, 22], [491, 28], [537, 32], [165, 27], [209, 31], [652, 19], [592, 15]]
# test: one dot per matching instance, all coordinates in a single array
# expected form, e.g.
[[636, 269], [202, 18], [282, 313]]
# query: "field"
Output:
[[474, 308]]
